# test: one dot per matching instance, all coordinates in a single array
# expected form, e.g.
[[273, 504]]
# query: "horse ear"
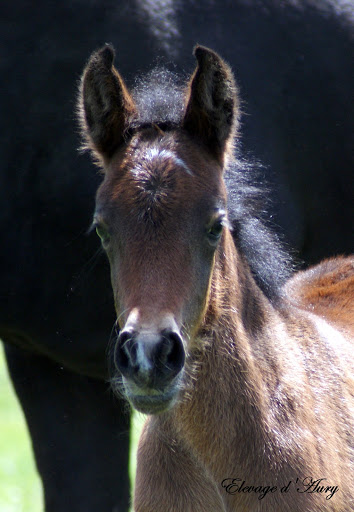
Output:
[[105, 105], [212, 104]]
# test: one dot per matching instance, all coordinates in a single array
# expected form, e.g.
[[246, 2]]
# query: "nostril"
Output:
[[174, 351], [122, 355]]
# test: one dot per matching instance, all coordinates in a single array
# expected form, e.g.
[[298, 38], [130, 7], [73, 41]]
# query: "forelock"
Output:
[[159, 97]]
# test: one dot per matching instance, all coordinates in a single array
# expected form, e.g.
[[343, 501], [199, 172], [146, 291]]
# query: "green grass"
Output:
[[137, 424], [20, 486]]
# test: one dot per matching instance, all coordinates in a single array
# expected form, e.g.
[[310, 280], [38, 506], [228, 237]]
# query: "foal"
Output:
[[249, 388]]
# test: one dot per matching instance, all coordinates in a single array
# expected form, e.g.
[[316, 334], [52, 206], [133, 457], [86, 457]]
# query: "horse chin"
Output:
[[152, 401], [151, 405]]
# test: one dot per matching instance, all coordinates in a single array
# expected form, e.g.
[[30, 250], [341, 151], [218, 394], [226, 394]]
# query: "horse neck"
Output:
[[249, 400], [224, 381], [238, 315]]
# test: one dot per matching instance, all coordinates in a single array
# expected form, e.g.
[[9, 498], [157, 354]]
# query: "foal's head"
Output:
[[160, 212]]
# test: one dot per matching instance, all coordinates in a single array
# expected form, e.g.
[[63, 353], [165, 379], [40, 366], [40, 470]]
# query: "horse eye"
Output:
[[215, 230], [103, 233]]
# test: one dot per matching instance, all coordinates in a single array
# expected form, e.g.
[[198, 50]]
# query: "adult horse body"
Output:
[[249, 383], [295, 70]]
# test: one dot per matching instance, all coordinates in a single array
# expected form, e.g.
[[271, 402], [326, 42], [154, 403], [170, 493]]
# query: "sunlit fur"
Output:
[[266, 392]]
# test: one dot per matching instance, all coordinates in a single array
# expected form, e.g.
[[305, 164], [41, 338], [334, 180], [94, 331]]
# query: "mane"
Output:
[[254, 236], [160, 101]]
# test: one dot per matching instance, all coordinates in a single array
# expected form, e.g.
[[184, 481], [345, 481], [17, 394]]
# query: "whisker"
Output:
[[120, 315]]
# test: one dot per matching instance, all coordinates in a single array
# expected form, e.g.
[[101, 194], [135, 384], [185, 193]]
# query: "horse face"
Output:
[[160, 211], [160, 214]]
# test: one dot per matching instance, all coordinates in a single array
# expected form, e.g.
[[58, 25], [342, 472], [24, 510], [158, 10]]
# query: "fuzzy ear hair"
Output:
[[105, 105], [212, 106]]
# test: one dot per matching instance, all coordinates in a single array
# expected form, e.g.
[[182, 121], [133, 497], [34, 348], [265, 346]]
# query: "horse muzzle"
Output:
[[151, 362]]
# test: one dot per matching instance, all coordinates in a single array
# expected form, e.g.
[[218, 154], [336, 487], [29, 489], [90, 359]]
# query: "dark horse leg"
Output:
[[79, 433]]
